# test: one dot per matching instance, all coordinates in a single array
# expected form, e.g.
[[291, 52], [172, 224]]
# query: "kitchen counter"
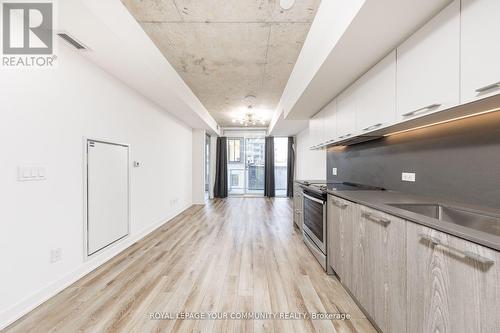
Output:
[[379, 200]]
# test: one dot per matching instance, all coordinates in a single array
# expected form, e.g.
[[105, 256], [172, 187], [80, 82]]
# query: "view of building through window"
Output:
[[234, 150], [246, 156]]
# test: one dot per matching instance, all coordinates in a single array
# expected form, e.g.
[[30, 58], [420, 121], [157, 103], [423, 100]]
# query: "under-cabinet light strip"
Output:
[[443, 122]]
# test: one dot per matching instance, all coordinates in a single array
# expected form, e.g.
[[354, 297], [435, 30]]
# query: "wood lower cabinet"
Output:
[[341, 215], [379, 268], [298, 205], [453, 285]]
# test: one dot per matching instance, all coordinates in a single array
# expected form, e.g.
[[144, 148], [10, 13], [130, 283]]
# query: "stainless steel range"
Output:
[[315, 213]]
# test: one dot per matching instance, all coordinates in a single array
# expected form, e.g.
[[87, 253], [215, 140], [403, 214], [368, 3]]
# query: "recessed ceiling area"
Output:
[[226, 50]]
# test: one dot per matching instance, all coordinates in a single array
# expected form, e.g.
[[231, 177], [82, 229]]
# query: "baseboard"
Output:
[[25, 306]]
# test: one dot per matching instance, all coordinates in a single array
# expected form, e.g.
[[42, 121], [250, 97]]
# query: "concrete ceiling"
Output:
[[228, 49]]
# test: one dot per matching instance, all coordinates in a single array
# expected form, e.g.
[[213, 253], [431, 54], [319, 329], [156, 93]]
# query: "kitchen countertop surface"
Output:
[[379, 200], [314, 181]]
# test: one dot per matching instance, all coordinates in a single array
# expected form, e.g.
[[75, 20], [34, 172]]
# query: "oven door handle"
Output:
[[314, 199]]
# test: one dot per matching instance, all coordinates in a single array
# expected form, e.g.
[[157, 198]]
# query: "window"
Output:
[[234, 151]]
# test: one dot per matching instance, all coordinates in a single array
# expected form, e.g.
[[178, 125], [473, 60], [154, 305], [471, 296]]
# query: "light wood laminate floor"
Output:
[[231, 255]]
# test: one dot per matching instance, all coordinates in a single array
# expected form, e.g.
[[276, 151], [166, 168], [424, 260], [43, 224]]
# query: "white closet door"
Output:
[[107, 194]]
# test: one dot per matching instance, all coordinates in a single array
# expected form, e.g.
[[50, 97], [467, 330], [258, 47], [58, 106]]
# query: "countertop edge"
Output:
[[437, 226]]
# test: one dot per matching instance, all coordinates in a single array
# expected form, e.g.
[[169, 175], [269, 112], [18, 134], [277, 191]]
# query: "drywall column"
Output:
[[213, 154], [198, 166]]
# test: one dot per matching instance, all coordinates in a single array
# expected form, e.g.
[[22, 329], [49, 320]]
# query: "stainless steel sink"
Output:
[[469, 219]]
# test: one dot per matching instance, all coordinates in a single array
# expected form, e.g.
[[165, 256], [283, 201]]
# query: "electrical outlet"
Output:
[[408, 177], [334, 171], [55, 255]]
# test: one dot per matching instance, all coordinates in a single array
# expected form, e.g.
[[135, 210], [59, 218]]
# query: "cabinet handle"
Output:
[[467, 254], [385, 222], [345, 136], [424, 109], [369, 128], [488, 87], [338, 204]]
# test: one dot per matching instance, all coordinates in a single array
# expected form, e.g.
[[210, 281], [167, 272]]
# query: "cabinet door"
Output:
[[300, 220], [297, 206], [376, 103], [379, 268], [428, 66], [346, 113], [316, 129], [451, 287], [340, 215], [331, 122], [322, 126], [480, 54], [313, 131], [295, 203]]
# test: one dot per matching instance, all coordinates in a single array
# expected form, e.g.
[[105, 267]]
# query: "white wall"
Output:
[[44, 115], [309, 164], [198, 166]]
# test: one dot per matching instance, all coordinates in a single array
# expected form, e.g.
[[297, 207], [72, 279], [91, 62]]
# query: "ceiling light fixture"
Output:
[[249, 118], [287, 4]]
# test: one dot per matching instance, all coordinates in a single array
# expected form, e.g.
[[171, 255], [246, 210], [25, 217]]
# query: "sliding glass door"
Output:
[[245, 165], [254, 165]]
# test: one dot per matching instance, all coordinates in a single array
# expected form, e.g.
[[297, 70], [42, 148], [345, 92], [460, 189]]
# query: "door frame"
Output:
[[86, 255]]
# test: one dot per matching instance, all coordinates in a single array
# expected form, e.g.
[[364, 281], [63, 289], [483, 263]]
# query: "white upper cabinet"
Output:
[[480, 61], [313, 131], [322, 126], [376, 100], [346, 113], [428, 68], [331, 121], [317, 129]]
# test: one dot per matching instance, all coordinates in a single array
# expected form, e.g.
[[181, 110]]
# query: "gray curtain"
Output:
[[220, 186], [290, 168], [269, 186]]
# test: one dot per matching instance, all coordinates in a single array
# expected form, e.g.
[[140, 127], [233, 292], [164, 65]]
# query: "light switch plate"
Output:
[[334, 171], [30, 173], [408, 177]]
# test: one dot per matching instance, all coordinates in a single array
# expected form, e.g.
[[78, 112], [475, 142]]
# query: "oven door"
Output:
[[314, 221]]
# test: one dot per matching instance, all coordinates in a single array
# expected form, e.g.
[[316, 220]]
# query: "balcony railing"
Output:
[[254, 179]]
